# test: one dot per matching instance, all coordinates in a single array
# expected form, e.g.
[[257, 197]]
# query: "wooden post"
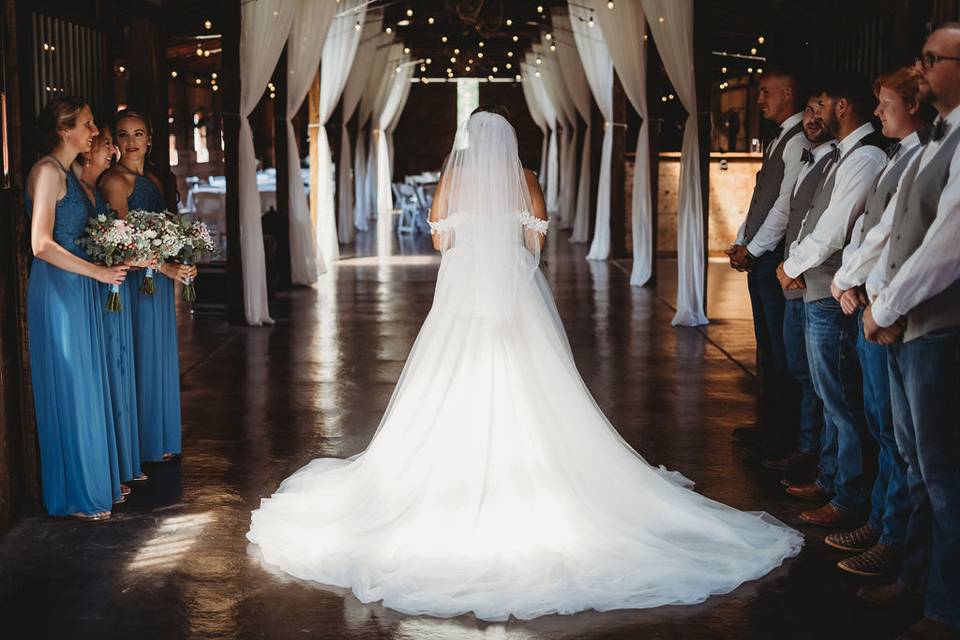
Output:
[[282, 154], [618, 213], [230, 90], [703, 80], [313, 122]]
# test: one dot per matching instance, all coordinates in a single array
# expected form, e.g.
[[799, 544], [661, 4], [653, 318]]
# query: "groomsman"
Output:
[[814, 160], [759, 249], [880, 540], [915, 308], [845, 106]]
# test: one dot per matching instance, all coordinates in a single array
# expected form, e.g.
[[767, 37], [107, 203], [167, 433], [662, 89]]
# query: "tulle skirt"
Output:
[[495, 485]]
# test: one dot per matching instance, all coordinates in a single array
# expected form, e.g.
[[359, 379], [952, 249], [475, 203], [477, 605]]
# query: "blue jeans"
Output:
[[889, 506], [767, 302], [795, 344], [831, 349], [925, 394]]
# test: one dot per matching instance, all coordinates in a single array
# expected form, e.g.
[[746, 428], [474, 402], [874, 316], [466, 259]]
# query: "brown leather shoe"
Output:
[[878, 560], [928, 629], [826, 516], [858, 540], [886, 595], [811, 492]]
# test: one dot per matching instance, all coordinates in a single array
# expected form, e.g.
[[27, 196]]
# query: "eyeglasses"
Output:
[[928, 60]]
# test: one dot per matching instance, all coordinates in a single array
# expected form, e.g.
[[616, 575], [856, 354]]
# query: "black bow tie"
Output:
[[939, 129], [835, 154], [806, 156], [893, 150]]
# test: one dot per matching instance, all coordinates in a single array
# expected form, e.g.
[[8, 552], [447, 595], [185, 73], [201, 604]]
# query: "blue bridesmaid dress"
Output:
[[155, 347], [118, 339], [69, 371]]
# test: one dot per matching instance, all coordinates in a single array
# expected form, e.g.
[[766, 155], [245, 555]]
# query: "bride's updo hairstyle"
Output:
[[498, 109]]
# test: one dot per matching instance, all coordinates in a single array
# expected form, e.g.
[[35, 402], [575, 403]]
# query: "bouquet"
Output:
[[109, 240], [197, 243], [163, 236]]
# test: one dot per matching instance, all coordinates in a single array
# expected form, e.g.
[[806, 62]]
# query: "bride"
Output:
[[494, 484]]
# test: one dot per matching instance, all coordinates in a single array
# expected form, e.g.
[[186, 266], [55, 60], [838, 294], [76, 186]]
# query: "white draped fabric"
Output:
[[623, 30], [549, 111], [264, 27], [363, 200], [674, 38], [533, 106], [338, 53], [552, 74], [396, 89], [304, 46], [598, 68], [579, 91], [347, 222]]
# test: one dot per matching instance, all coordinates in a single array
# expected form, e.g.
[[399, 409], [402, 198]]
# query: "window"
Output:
[[200, 138]]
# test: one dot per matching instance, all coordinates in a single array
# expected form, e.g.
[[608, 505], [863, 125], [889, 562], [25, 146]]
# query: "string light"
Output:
[[480, 55], [553, 47], [207, 24], [449, 71], [206, 54], [197, 81], [509, 22], [490, 78], [214, 75], [753, 51], [723, 69], [467, 68], [660, 19], [759, 71], [494, 69], [539, 8], [173, 74], [430, 20], [357, 26], [403, 23], [443, 38], [539, 60], [517, 77], [749, 69], [591, 23], [406, 49], [548, 36], [760, 39], [470, 61], [509, 54], [508, 66], [610, 4], [121, 68], [423, 68], [398, 68], [516, 38], [480, 44], [389, 29], [429, 61], [537, 74], [199, 51], [456, 51], [453, 59], [409, 13]]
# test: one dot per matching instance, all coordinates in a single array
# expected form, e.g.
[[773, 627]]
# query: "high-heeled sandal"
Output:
[[125, 490], [140, 478], [89, 517]]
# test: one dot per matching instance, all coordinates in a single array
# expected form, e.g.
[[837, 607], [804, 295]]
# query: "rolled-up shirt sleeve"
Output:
[[851, 187], [859, 262]]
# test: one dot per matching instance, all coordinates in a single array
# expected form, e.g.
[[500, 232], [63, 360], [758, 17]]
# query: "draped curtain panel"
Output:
[[264, 27], [579, 91], [598, 68], [379, 87], [549, 110], [671, 24], [347, 223], [363, 207], [623, 30], [397, 89], [304, 46], [567, 113], [337, 60], [533, 105]]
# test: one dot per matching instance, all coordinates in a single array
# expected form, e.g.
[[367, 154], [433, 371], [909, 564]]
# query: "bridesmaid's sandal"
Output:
[[90, 517], [167, 457], [125, 490], [140, 478], [120, 500]]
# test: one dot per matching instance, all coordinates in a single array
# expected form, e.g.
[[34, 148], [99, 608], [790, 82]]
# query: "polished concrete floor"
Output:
[[260, 402]]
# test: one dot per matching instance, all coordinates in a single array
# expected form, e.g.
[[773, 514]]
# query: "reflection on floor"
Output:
[[261, 402]]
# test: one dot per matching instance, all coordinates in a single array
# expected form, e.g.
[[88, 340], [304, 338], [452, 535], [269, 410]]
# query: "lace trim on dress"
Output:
[[527, 220]]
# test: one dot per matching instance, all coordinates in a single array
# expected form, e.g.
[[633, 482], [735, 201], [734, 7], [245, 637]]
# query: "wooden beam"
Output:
[[618, 180], [282, 153], [230, 90], [702, 64]]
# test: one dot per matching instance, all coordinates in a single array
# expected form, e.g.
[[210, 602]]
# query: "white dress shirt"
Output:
[[859, 258], [806, 167], [774, 226], [934, 266], [855, 175]]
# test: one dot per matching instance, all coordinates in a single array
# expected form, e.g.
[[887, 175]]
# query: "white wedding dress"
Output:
[[495, 485]]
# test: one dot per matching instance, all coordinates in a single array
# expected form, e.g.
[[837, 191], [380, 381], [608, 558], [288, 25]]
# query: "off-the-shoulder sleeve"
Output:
[[530, 221]]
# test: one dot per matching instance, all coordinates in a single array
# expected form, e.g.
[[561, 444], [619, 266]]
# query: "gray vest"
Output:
[[799, 205], [818, 278], [883, 191], [767, 188], [915, 212]]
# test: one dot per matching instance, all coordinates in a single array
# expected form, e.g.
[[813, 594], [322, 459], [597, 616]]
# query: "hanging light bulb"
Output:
[[199, 51], [753, 51], [398, 68], [480, 44], [553, 47], [590, 22], [173, 74], [539, 8], [539, 60], [537, 74], [760, 39], [490, 78], [759, 70], [517, 77], [749, 69], [430, 20], [429, 61], [723, 69], [480, 55], [389, 29], [406, 49], [423, 68], [508, 66], [456, 51], [453, 59], [610, 4], [509, 22], [207, 24], [516, 38], [509, 54], [214, 75], [443, 38], [409, 13], [494, 69], [449, 70], [357, 26], [467, 68], [548, 36]]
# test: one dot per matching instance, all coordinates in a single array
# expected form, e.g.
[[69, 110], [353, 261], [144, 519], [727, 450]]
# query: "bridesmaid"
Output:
[[118, 327], [65, 323], [128, 186]]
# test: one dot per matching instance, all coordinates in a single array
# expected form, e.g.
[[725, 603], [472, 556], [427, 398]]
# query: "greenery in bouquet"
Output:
[[163, 235], [111, 241], [197, 244]]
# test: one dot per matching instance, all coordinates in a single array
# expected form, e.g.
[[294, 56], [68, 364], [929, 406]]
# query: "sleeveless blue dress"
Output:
[[155, 347], [69, 371], [118, 339]]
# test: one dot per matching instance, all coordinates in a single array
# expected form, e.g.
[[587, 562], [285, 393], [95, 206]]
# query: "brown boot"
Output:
[[878, 560], [798, 460], [857, 540], [827, 516], [928, 629], [810, 492]]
